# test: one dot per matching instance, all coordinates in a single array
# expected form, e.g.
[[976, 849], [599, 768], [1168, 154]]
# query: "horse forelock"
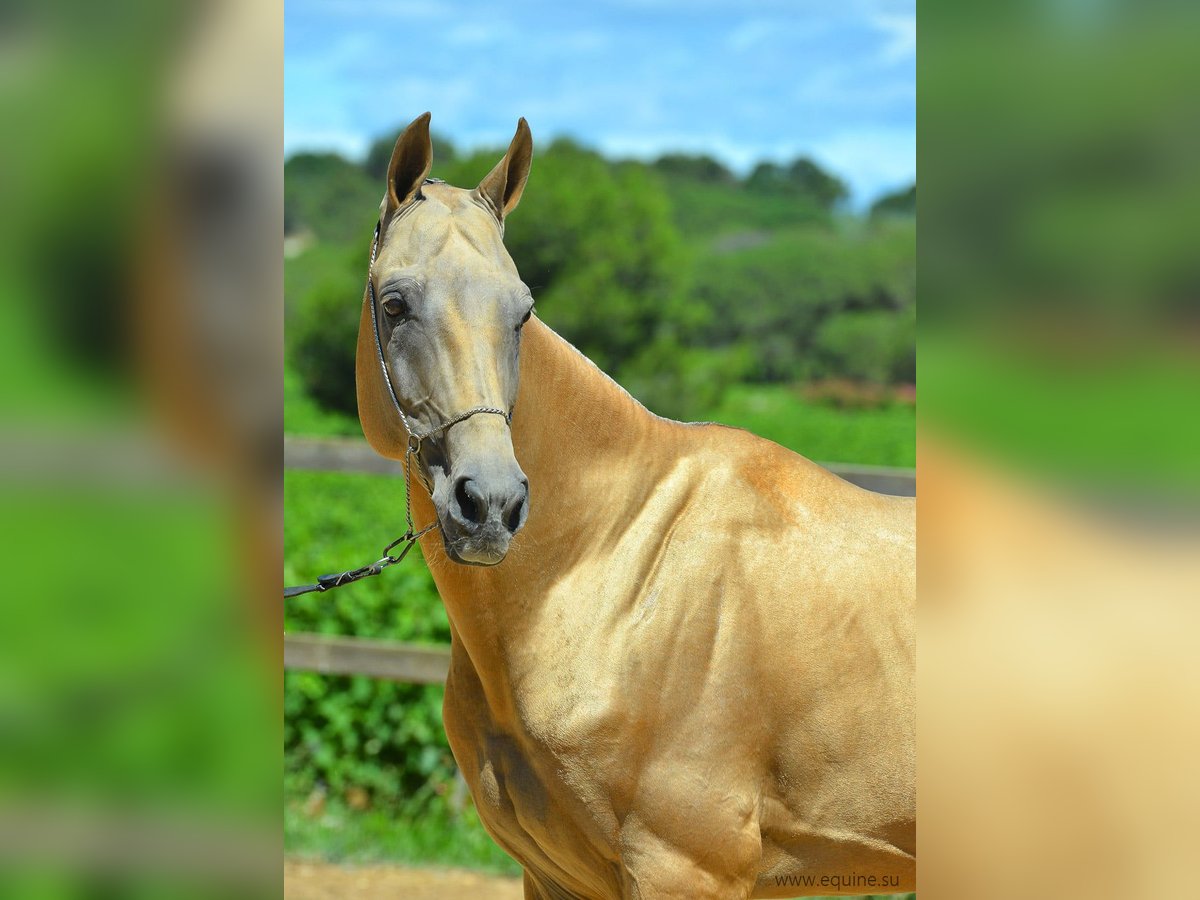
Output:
[[439, 213]]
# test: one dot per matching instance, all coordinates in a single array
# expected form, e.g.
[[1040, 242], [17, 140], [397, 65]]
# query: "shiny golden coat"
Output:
[[692, 675]]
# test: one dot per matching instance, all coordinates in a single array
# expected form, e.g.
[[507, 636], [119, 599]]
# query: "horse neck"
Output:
[[583, 443]]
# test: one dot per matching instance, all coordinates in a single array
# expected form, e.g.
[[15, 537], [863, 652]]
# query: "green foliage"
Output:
[[898, 203], [323, 300], [396, 834], [695, 381], [675, 278], [303, 415], [353, 732], [776, 296], [883, 436], [813, 181], [700, 168], [869, 346], [329, 196], [596, 244], [704, 209], [598, 247], [803, 178]]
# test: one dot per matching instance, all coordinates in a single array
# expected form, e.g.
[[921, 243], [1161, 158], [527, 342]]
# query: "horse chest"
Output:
[[546, 801]]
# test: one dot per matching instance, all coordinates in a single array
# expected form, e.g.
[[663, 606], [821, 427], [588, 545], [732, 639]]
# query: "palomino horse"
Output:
[[682, 656]]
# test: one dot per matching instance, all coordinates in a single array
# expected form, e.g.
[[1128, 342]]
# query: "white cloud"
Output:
[[901, 36], [350, 144]]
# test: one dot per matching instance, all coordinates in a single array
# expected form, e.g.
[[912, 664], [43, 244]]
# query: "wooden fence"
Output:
[[413, 663], [389, 660], [347, 455]]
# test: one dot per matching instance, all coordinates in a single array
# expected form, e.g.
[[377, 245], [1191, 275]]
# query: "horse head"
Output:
[[439, 340]]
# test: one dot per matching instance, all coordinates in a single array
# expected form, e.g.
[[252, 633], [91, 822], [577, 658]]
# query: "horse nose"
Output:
[[479, 501]]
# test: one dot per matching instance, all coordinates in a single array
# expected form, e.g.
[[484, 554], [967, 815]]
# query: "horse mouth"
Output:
[[482, 549]]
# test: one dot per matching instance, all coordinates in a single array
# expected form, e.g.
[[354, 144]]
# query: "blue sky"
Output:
[[763, 79]]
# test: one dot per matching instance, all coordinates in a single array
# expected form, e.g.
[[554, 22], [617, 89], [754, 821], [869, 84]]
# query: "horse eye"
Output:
[[526, 319], [396, 308]]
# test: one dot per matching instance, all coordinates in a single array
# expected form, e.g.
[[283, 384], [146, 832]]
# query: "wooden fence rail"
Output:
[[389, 660], [348, 455]]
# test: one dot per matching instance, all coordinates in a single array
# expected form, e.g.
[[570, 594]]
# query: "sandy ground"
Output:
[[303, 880]]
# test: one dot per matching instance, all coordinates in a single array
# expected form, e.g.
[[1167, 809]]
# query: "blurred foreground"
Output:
[[140, 351], [1059, 452]]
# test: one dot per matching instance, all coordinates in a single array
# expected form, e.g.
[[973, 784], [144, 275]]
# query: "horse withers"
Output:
[[682, 657]]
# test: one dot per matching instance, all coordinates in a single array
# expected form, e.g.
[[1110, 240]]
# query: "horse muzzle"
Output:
[[481, 513]]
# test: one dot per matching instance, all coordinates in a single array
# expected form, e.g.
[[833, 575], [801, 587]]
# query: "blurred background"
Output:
[[721, 214]]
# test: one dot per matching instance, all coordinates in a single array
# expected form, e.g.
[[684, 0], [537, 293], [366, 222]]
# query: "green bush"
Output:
[[777, 295], [322, 324], [344, 732], [692, 384], [866, 346], [328, 196]]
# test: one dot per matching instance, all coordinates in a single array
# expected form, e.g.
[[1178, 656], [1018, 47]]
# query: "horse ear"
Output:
[[411, 161], [503, 186]]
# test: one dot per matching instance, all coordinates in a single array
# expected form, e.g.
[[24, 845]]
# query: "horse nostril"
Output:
[[468, 505], [513, 521], [514, 518]]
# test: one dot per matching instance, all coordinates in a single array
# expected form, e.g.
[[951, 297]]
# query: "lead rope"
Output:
[[415, 438]]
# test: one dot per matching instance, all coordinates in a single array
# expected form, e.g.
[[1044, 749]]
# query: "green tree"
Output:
[[323, 294], [811, 180], [330, 196], [873, 346], [696, 167], [803, 178], [769, 178], [776, 296], [896, 203]]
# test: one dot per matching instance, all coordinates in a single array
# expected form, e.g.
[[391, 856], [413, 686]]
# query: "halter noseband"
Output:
[[415, 435]]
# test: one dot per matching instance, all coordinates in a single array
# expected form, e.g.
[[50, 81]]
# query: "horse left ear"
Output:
[[410, 164], [503, 186]]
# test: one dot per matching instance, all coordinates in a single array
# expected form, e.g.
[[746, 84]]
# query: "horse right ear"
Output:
[[411, 161], [503, 186]]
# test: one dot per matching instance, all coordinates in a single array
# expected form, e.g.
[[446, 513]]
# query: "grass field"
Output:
[[879, 437], [343, 835]]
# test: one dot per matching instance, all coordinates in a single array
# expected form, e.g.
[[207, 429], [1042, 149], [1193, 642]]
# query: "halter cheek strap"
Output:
[[415, 435]]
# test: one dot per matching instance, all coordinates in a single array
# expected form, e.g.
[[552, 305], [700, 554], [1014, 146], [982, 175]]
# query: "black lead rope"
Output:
[[337, 579]]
